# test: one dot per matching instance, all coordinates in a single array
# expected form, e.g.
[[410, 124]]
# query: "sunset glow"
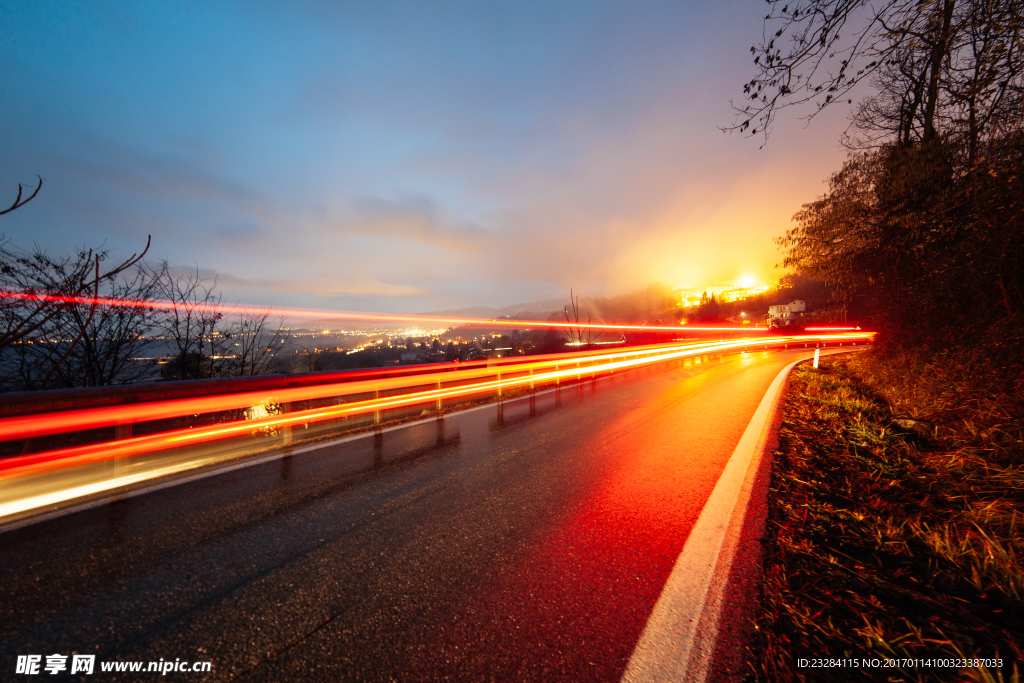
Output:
[[357, 316], [317, 173]]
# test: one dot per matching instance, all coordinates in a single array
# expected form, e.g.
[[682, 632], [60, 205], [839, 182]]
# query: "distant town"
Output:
[[315, 346]]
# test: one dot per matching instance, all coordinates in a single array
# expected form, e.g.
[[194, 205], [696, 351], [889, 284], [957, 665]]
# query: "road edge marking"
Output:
[[684, 621]]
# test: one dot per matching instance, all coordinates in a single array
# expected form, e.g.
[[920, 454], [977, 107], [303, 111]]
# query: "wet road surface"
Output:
[[528, 545]]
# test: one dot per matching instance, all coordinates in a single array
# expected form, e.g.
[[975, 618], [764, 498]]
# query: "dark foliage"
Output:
[[708, 310], [931, 245]]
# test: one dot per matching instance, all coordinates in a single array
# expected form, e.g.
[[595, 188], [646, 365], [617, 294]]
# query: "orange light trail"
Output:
[[831, 329], [235, 309], [43, 424], [483, 380]]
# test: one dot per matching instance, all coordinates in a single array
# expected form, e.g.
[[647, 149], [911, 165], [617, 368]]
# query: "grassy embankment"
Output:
[[883, 543]]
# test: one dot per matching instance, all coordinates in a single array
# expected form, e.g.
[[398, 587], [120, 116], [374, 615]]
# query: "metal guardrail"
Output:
[[94, 445]]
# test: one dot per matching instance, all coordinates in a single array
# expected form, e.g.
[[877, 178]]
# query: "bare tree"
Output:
[[109, 336], [66, 321], [35, 287], [19, 202], [255, 346], [574, 332], [314, 360], [931, 62], [190, 323], [984, 77], [118, 332]]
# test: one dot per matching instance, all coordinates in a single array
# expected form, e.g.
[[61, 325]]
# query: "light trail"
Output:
[[483, 380], [831, 329], [44, 424], [356, 316]]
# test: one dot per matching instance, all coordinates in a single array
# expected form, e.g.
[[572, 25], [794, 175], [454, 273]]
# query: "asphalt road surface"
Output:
[[525, 546]]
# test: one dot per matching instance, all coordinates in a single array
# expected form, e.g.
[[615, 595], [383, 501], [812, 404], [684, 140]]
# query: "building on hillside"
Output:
[[722, 292], [784, 313]]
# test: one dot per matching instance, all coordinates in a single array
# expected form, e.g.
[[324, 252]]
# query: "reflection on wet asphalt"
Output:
[[526, 543]]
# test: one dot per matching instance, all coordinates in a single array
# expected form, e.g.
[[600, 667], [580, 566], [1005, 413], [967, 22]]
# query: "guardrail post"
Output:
[[501, 405], [121, 432], [376, 413], [558, 387], [286, 432], [439, 398], [533, 395]]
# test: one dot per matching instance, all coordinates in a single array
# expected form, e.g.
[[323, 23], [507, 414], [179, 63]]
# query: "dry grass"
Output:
[[887, 544]]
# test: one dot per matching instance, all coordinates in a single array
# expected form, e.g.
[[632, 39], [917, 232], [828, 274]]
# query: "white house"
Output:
[[785, 313]]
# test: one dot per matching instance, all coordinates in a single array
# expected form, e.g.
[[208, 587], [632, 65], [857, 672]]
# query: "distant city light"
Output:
[[723, 293]]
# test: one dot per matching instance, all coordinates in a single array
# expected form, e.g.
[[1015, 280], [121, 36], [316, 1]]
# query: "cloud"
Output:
[[320, 284], [131, 171], [431, 158], [414, 219], [330, 285]]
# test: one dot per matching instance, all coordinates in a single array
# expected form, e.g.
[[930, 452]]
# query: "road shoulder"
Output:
[[699, 625]]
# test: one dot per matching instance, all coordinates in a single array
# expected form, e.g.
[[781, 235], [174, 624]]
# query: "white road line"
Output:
[[678, 641]]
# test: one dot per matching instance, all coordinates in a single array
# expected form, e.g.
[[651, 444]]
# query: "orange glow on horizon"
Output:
[[234, 309]]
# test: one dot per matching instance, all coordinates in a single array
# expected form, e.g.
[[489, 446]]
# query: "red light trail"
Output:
[[30, 426], [357, 316], [412, 390], [539, 371]]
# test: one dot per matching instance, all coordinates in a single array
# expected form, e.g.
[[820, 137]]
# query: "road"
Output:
[[528, 545]]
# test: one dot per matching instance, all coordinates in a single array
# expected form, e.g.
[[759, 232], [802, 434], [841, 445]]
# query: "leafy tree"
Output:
[[921, 228], [930, 241], [708, 309]]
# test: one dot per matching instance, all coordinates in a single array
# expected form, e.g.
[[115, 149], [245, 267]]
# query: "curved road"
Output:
[[525, 546]]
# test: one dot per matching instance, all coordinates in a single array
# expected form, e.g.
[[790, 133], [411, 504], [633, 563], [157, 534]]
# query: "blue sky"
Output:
[[401, 157]]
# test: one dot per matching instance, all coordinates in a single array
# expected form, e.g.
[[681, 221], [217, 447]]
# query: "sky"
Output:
[[402, 156]]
